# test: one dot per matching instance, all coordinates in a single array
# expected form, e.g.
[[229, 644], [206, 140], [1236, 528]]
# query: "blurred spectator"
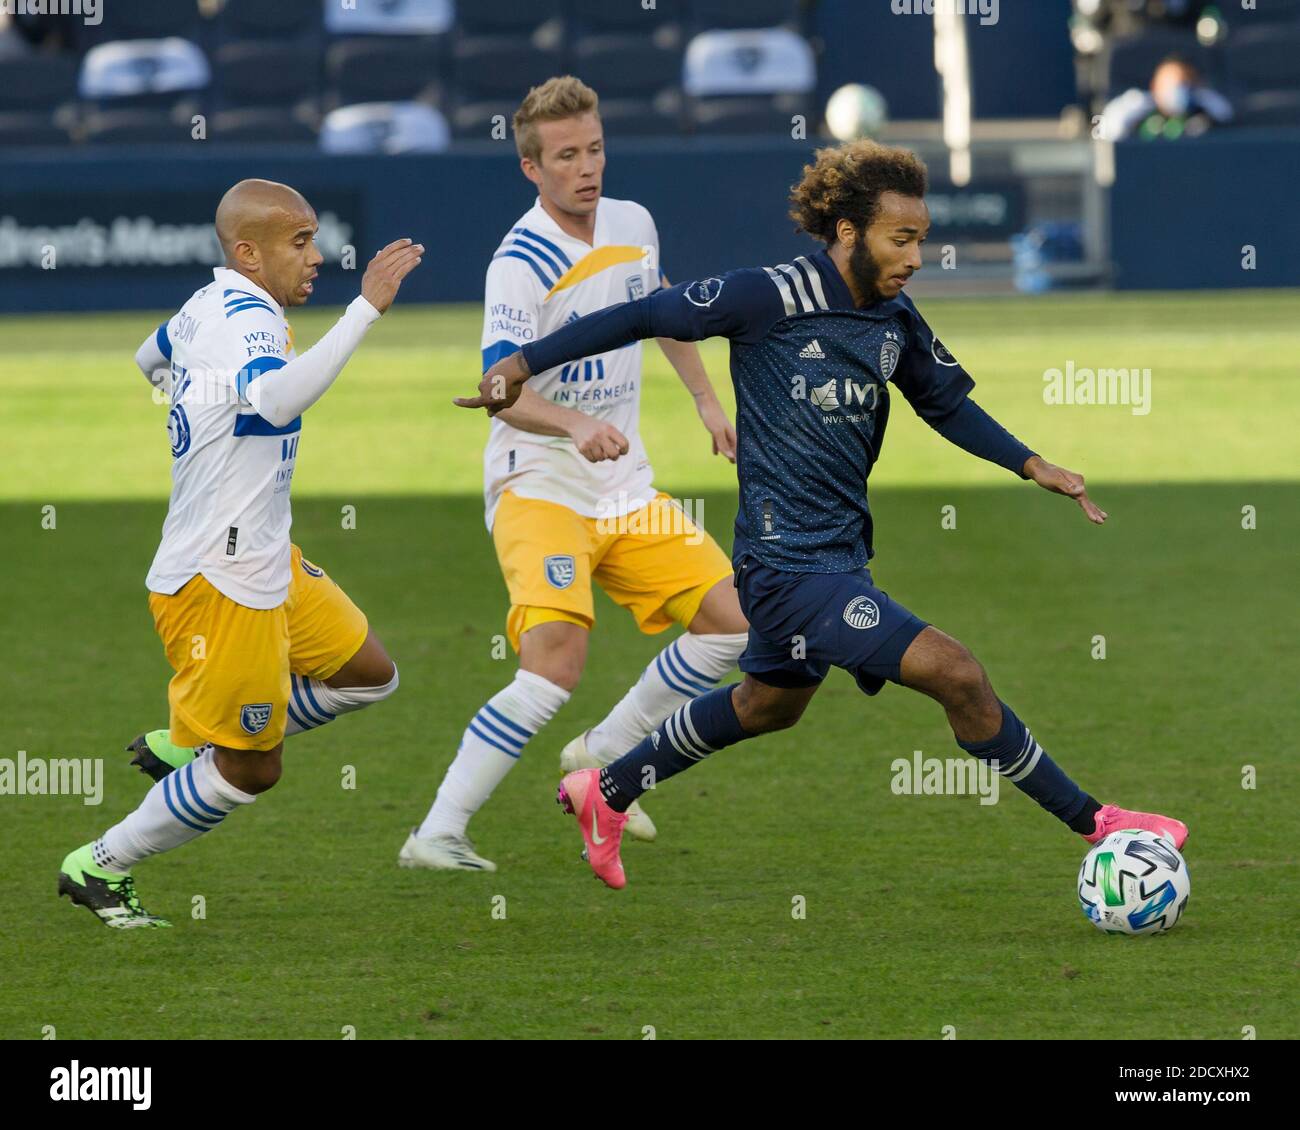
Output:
[[1178, 104]]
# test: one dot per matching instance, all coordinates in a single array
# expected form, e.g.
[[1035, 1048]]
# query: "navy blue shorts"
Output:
[[803, 624]]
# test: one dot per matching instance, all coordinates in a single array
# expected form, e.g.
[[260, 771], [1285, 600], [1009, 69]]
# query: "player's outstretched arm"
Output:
[[1060, 481], [596, 440], [296, 385]]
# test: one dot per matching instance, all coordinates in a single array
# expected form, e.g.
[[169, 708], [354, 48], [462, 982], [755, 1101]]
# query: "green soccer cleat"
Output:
[[111, 897], [156, 756]]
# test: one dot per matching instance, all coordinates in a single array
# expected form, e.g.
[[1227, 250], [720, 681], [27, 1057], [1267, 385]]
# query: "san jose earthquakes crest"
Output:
[[254, 717], [559, 570]]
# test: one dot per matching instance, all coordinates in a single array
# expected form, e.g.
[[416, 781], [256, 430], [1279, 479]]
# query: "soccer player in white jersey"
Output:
[[569, 489], [261, 640]]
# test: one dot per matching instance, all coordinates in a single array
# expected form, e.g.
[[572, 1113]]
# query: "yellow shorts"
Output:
[[656, 563], [232, 663]]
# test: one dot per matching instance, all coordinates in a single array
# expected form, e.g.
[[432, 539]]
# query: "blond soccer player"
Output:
[[274, 635], [569, 490]]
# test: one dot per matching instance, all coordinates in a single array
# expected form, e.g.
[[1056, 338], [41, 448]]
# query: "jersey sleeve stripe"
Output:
[[251, 424], [783, 287], [560, 255], [163, 341], [814, 280], [496, 351], [539, 253], [796, 277], [231, 311], [254, 369], [537, 270]]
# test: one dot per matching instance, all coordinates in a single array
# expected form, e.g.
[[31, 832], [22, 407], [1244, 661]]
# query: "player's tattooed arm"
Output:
[[500, 386], [1060, 481]]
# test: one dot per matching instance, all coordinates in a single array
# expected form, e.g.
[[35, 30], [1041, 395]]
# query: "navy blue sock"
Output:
[[1024, 763], [685, 738]]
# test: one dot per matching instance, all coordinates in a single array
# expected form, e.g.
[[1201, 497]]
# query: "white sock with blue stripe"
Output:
[[313, 703], [491, 745], [687, 668], [182, 806]]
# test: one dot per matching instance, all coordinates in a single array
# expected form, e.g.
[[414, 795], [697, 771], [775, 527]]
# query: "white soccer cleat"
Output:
[[574, 756], [442, 853]]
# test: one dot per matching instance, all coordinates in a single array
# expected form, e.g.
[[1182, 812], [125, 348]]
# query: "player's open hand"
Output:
[[1059, 480], [387, 270], [597, 440], [714, 417], [500, 386]]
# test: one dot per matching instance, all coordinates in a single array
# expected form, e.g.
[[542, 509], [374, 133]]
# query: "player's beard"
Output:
[[865, 271]]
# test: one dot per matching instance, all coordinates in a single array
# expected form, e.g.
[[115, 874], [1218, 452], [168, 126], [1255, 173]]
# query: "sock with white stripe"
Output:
[[182, 806], [491, 745], [313, 703], [687, 736], [687, 667], [1020, 759]]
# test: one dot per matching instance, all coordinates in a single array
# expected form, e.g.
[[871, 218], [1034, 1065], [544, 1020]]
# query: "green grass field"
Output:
[[921, 912]]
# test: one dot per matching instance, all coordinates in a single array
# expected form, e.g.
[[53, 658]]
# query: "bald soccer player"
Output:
[[263, 643]]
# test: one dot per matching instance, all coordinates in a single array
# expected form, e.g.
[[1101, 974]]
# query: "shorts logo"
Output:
[[889, 354], [941, 354], [704, 293], [861, 612], [559, 570], [310, 569], [254, 718]]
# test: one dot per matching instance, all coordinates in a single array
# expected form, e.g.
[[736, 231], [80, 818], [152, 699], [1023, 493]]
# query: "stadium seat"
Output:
[[392, 17], [134, 127], [625, 65], [475, 121], [602, 15], [142, 73], [385, 127], [262, 72], [37, 82], [30, 127], [769, 61], [143, 19], [280, 19], [1133, 60], [1265, 11], [261, 125], [746, 115], [1273, 109], [643, 117], [707, 14], [384, 69], [1264, 58], [488, 67], [490, 17]]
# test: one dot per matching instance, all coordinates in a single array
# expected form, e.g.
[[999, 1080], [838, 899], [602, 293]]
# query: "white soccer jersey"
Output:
[[539, 279], [229, 516]]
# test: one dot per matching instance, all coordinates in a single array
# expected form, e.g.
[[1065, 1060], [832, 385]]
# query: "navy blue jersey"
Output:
[[812, 375]]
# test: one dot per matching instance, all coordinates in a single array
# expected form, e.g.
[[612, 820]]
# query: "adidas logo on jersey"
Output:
[[812, 351]]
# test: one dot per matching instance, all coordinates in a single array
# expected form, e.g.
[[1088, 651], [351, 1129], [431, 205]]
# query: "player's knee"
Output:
[[250, 770], [763, 710], [964, 680], [564, 671]]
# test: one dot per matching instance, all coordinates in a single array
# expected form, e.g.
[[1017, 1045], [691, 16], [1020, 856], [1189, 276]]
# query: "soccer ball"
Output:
[[856, 111], [1134, 883]]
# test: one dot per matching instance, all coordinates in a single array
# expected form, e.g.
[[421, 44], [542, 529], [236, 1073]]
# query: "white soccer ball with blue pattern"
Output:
[[1134, 882]]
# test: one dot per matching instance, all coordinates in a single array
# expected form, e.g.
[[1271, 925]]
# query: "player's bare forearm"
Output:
[[1060, 481], [684, 357], [533, 413]]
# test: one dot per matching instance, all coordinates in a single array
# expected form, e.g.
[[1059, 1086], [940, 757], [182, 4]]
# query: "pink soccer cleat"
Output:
[[1112, 819], [602, 827]]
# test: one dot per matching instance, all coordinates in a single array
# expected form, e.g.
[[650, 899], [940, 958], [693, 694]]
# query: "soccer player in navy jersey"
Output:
[[815, 345]]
